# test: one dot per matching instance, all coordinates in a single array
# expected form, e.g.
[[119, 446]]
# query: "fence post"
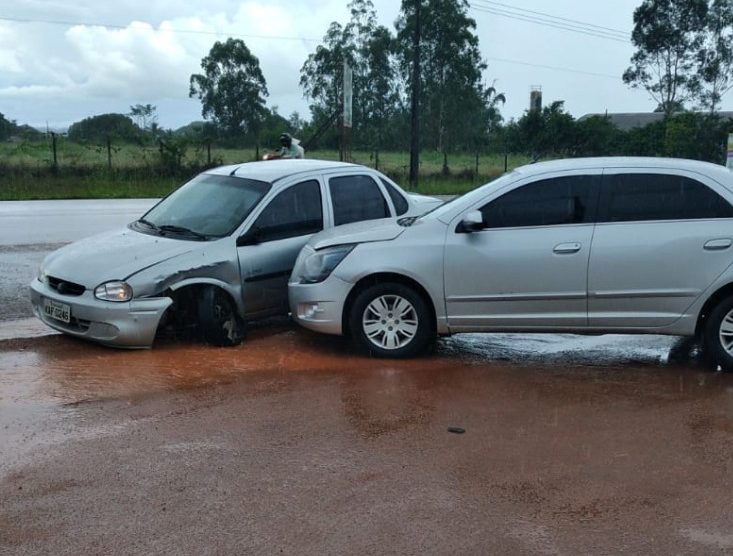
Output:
[[109, 153], [208, 152], [53, 148]]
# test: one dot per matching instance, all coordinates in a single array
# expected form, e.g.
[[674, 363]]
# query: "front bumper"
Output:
[[131, 325], [319, 307]]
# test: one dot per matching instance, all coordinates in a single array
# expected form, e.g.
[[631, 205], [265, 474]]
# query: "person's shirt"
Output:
[[290, 152]]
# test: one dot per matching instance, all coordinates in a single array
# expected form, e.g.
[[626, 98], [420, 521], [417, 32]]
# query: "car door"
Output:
[[267, 251], [356, 197], [661, 240], [526, 268]]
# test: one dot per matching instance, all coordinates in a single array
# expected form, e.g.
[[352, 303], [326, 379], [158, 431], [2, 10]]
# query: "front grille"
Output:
[[65, 288]]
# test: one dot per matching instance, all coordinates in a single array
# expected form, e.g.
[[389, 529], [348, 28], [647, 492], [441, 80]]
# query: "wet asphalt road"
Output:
[[292, 444], [29, 230]]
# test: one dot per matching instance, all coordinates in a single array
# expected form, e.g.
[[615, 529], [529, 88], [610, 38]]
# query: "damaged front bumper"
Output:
[[132, 324]]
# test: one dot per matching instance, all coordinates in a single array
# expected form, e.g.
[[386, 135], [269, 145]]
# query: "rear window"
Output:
[[401, 205]]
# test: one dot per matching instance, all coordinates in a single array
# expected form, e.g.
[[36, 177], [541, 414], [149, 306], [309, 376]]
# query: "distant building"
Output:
[[629, 120], [535, 98]]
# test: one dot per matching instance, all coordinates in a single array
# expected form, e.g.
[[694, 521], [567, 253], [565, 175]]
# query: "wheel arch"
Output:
[[381, 277], [202, 282], [720, 294]]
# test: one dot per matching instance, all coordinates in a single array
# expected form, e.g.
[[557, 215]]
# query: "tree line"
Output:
[[683, 59]]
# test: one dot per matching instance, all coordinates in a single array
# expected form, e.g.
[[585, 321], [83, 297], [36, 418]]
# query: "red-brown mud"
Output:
[[291, 443]]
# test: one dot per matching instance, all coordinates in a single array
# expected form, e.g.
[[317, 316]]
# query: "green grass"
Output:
[[27, 171]]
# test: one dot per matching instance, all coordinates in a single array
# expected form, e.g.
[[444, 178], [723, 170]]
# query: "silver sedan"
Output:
[[214, 254], [614, 245]]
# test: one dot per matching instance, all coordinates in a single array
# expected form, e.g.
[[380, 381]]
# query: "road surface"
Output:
[[292, 444]]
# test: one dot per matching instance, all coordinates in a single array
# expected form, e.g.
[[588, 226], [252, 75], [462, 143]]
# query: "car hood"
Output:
[[115, 255], [425, 199], [358, 232]]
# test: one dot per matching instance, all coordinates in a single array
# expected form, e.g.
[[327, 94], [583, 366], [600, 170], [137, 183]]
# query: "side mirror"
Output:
[[471, 222]]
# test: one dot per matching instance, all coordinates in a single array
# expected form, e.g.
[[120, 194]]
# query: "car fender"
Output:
[[426, 272], [234, 291]]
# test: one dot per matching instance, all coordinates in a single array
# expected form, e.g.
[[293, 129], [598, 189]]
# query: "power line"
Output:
[[561, 26], [623, 34], [555, 68], [546, 23], [186, 31]]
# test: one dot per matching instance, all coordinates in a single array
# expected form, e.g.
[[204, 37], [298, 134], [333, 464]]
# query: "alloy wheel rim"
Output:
[[725, 333], [390, 322]]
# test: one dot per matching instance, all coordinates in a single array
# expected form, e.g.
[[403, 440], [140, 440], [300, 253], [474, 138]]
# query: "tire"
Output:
[[218, 318], [378, 329], [718, 336]]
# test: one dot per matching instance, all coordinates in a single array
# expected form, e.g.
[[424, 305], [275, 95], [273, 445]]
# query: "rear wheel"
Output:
[[391, 320], [220, 323], [718, 335]]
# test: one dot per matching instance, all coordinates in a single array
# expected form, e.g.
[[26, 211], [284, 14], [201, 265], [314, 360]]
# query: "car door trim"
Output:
[[514, 297], [644, 293], [268, 276]]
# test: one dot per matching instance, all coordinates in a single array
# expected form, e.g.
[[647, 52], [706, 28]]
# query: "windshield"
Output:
[[207, 206], [477, 193]]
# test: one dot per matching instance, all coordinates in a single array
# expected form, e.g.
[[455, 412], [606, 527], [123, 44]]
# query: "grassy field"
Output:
[[27, 170]]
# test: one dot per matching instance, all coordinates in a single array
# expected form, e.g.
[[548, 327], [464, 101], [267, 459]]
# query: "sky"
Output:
[[62, 61]]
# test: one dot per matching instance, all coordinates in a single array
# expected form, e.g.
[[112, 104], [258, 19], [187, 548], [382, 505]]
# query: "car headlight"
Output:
[[318, 266], [113, 291], [41, 274]]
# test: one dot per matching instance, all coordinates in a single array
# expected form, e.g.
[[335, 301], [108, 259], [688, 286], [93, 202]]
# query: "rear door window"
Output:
[[638, 197], [356, 198]]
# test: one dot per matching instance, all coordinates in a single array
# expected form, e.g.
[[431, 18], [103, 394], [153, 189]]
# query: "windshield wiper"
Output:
[[181, 230], [149, 224]]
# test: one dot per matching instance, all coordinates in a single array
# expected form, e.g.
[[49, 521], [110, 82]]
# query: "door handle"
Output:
[[567, 248], [718, 244]]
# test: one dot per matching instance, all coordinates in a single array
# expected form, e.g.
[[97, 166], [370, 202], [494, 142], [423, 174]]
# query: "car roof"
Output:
[[274, 170], [639, 162]]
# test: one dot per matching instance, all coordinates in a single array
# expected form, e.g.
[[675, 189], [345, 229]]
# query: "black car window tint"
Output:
[[637, 197], [400, 203], [555, 201], [356, 198], [294, 212]]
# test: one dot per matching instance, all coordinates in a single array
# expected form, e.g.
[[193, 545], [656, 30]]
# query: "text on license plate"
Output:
[[56, 310]]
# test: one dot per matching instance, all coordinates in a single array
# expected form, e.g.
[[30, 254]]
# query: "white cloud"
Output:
[[63, 73]]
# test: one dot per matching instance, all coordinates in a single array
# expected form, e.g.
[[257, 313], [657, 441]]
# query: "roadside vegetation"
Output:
[[27, 169], [683, 59]]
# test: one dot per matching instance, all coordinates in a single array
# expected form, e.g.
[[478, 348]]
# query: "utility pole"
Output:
[[347, 116], [415, 133]]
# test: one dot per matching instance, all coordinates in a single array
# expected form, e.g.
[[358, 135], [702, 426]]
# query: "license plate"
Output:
[[56, 310]]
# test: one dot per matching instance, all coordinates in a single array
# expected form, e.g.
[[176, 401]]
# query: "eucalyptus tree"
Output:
[[668, 36], [715, 55], [232, 88], [451, 80]]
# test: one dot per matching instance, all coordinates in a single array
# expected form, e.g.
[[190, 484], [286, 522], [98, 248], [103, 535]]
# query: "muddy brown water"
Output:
[[293, 443]]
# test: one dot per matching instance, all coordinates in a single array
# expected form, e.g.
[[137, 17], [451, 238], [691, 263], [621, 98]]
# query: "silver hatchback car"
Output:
[[614, 245], [214, 254]]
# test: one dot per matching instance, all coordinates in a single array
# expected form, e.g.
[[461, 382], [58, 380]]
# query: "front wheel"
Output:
[[220, 324], [391, 320], [718, 335]]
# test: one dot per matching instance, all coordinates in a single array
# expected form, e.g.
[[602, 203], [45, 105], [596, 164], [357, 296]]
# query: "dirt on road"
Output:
[[292, 444]]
